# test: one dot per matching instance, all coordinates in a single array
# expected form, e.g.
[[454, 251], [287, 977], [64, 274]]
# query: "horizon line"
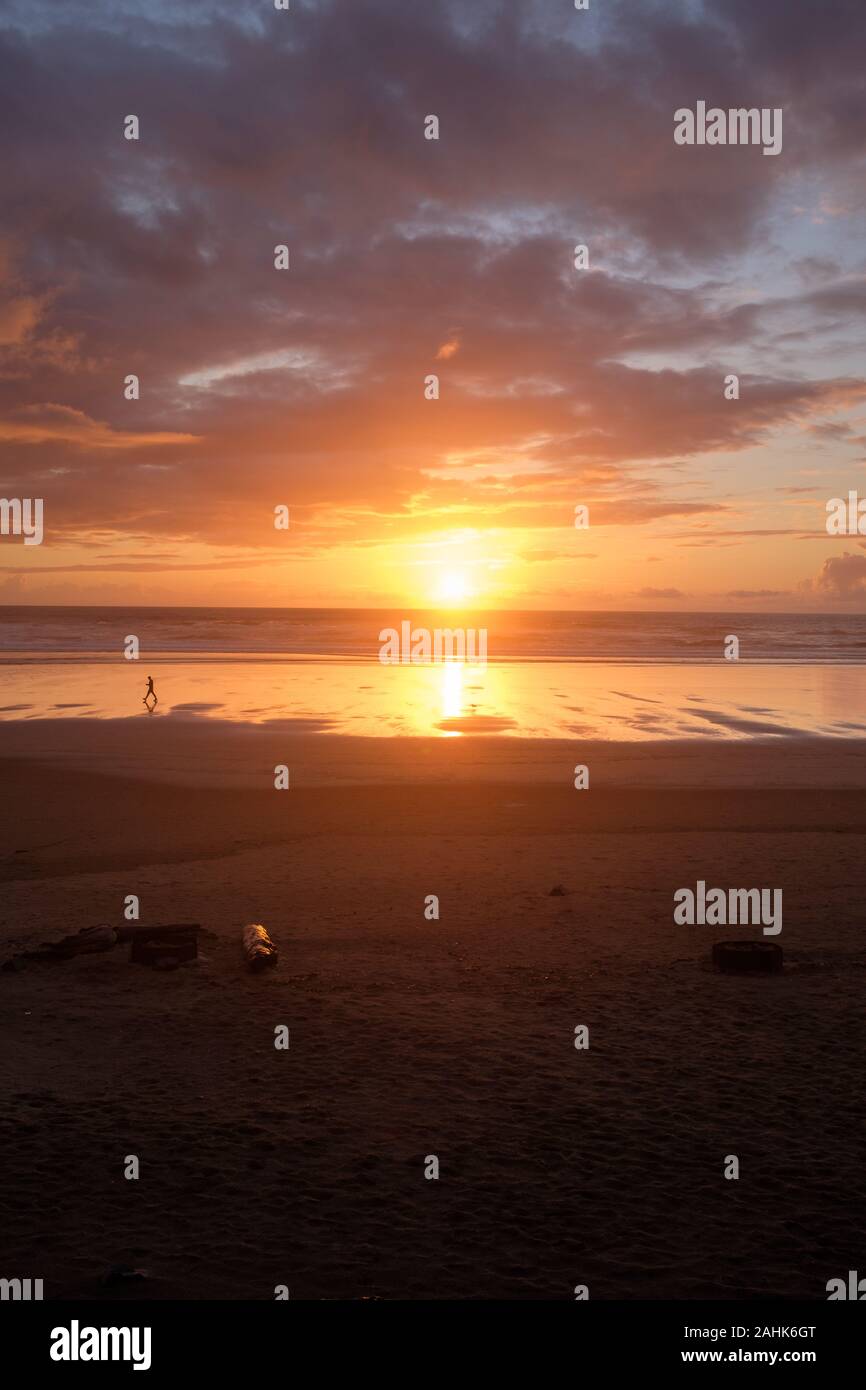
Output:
[[431, 608]]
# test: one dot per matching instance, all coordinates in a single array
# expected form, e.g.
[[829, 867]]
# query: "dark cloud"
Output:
[[755, 593], [408, 257], [841, 576]]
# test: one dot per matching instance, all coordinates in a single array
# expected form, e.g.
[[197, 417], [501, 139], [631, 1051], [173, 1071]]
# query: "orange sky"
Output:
[[558, 387]]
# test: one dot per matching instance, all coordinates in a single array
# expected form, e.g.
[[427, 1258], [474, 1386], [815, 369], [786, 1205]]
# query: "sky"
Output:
[[558, 387]]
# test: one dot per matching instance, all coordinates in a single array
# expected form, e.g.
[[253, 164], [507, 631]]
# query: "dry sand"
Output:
[[453, 1038]]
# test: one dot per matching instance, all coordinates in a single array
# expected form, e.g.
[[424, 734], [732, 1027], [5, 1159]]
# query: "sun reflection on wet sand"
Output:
[[452, 694], [621, 703]]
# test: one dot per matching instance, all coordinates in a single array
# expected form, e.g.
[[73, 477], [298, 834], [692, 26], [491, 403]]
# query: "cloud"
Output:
[[660, 593], [18, 318], [122, 566], [541, 556], [48, 423], [448, 350], [306, 386], [841, 576], [756, 593]]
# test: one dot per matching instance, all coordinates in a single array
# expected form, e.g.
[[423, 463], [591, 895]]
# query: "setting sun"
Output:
[[453, 587]]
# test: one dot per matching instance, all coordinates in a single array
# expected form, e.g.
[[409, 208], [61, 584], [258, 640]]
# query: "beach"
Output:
[[409, 1037], [432, 671]]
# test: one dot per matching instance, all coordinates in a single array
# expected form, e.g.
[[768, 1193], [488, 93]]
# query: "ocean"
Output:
[[620, 677], [524, 636]]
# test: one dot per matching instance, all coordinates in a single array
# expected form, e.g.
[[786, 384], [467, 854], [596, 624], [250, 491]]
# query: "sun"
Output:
[[453, 587]]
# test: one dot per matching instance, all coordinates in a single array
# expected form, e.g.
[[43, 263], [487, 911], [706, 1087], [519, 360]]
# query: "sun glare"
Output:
[[453, 587]]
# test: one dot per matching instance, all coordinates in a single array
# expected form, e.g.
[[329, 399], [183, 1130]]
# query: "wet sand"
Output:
[[451, 1038]]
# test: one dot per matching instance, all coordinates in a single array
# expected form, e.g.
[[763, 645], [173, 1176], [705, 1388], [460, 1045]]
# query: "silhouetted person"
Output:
[[150, 691]]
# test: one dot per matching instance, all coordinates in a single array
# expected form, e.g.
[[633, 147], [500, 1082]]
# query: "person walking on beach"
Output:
[[150, 691]]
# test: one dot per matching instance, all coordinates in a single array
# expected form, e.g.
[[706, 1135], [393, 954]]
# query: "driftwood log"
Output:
[[86, 942], [259, 950]]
